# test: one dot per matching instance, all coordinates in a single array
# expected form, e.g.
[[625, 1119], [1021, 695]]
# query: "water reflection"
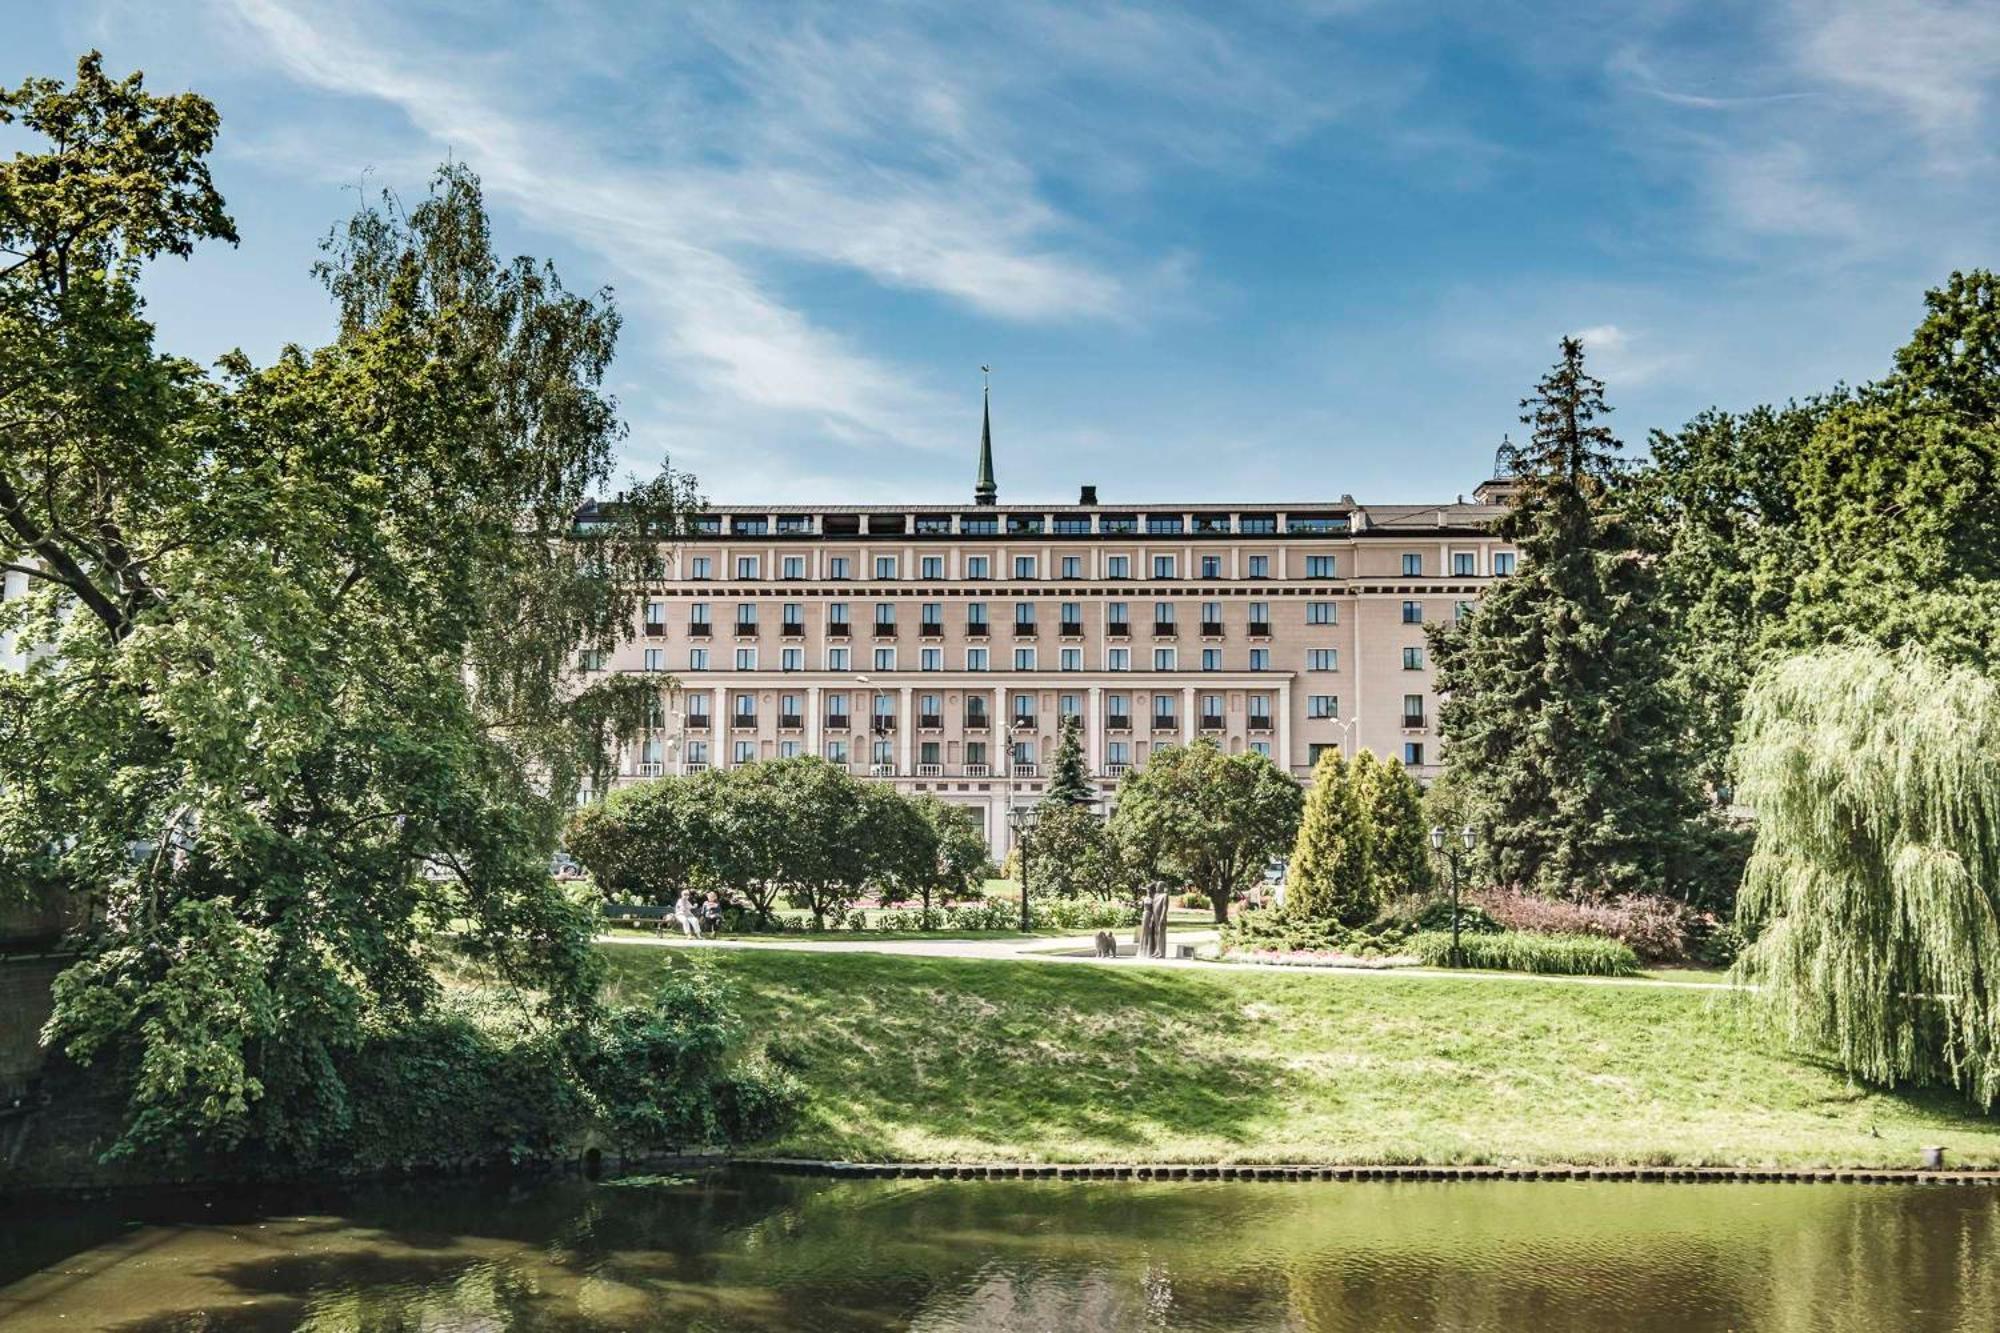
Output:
[[755, 1252]]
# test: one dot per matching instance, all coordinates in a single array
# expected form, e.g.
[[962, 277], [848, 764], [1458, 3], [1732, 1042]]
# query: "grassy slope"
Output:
[[934, 1059]]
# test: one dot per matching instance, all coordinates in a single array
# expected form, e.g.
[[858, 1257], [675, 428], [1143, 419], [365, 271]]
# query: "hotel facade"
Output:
[[938, 647]]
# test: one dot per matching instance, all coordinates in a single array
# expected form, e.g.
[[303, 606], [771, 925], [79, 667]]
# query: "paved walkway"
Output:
[[1079, 949]]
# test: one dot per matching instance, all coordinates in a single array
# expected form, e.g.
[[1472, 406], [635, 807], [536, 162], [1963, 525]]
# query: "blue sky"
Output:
[[1212, 251]]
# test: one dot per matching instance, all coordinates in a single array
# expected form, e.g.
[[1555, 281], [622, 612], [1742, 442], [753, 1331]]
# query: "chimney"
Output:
[[1088, 496]]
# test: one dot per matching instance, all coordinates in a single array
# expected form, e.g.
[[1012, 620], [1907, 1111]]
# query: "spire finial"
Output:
[[986, 492]]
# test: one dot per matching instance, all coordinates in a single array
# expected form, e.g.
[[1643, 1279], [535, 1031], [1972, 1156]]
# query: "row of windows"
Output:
[[1028, 524], [839, 567], [882, 754], [1026, 658], [1070, 614]]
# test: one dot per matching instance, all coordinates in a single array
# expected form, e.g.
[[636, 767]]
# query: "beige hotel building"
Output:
[[938, 646]]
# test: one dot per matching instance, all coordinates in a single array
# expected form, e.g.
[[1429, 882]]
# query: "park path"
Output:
[[1078, 949]]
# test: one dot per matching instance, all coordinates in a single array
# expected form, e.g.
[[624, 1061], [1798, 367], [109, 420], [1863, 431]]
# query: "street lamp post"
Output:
[[1452, 855], [1021, 818]]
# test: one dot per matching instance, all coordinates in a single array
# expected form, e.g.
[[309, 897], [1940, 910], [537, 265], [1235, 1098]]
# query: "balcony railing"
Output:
[[1115, 771], [881, 770], [1026, 770], [837, 629], [697, 722], [656, 629], [793, 630], [882, 726], [1211, 722], [1024, 721], [743, 721], [976, 722], [930, 770], [746, 630], [931, 629], [791, 721], [978, 631], [700, 629], [976, 771], [1260, 723], [652, 769], [1413, 722], [695, 766], [1165, 629], [1211, 629], [931, 721], [1118, 722], [1260, 629], [885, 629], [1165, 722], [1072, 629], [1024, 629], [1117, 629], [837, 722]]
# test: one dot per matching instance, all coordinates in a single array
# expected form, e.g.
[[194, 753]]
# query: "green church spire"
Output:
[[986, 492]]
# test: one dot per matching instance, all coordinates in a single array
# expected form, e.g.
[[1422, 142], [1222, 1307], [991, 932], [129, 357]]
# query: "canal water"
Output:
[[759, 1252]]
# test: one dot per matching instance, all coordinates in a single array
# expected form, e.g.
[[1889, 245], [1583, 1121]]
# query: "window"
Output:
[[975, 710], [1123, 523], [794, 523], [1258, 525], [1072, 525], [1067, 705], [885, 659], [931, 567], [1323, 659], [592, 659], [1260, 712], [930, 617], [1260, 619], [1114, 617], [1024, 659], [788, 749], [1413, 710], [1211, 566], [795, 566], [975, 659], [746, 614], [791, 659], [836, 613], [885, 566], [746, 566], [885, 615], [837, 659], [1261, 747], [1321, 613], [930, 659], [746, 525], [978, 525], [697, 659], [1320, 566], [1163, 525], [1503, 563], [793, 615], [1413, 659], [1413, 754], [1163, 659], [1117, 566], [1118, 752], [1322, 705], [1163, 566], [836, 752], [1413, 613], [1260, 659], [975, 754], [1464, 564], [1072, 565], [744, 751], [1118, 659], [836, 567], [1413, 564], [1163, 616], [1211, 659], [746, 659], [655, 659], [1024, 567], [1024, 524], [928, 753], [698, 567], [1071, 659], [1260, 567], [1024, 707], [1024, 613], [979, 567], [697, 752], [883, 754], [1118, 711], [975, 615], [1072, 617]]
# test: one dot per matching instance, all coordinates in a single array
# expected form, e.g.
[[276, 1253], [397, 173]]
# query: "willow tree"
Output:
[[1874, 890]]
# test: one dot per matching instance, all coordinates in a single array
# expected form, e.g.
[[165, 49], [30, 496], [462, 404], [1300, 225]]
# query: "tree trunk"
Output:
[[1219, 900]]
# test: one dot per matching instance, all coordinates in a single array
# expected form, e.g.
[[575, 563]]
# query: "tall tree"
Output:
[[1330, 876], [1069, 772], [309, 628], [1209, 819], [963, 860], [1558, 720], [1400, 862]]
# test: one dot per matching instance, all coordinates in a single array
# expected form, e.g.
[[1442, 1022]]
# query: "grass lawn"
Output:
[[984, 1060]]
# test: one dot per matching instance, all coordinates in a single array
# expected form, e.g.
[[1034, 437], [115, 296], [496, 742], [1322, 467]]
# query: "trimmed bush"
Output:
[[1657, 929], [1523, 951]]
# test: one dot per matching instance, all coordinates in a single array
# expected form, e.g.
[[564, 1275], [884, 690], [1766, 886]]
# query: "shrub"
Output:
[[1657, 929], [1523, 951], [1283, 932]]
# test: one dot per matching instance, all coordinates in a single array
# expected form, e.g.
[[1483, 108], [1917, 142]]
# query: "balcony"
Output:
[[1117, 629], [1024, 629], [978, 631], [1115, 771], [793, 630], [1211, 722], [746, 631], [652, 769], [1211, 629], [976, 771], [837, 722], [1071, 629], [931, 629], [837, 629], [656, 629], [743, 721], [1413, 722], [930, 721], [1260, 629], [791, 721], [1165, 629], [882, 726], [700, 629], [1026, 771], [881, 770], [697, 722], [976, 722], [930, 770], [885, 631], [1165, 722], [1258, 723], [695, 766], [1024, 721], [1118, 722]]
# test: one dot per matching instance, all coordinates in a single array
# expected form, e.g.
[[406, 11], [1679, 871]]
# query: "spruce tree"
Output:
[[1069, 775], [1401, 858], [1558, 720], [1329, 879]]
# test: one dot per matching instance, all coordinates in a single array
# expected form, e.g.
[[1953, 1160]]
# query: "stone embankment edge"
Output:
[[1152, 1171]]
